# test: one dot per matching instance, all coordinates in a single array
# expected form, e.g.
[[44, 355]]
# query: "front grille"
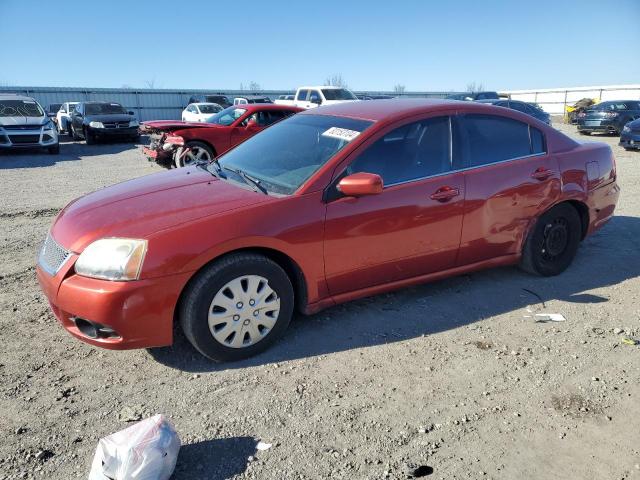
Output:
[[116, 125], [22, 127], [18, 139], [52, 255]]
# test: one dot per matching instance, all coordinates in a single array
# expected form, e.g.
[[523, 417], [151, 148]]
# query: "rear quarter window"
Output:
[[490, 139]]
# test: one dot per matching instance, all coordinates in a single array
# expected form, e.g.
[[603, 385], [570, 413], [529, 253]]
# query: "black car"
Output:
[[251, 99], [99, 120], [221, 100], [609, 117], [374, 97], [474, 96], [630, 136], [524, 107]]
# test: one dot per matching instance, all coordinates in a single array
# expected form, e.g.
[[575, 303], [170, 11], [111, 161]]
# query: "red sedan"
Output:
[[177, 144], [332, 204]]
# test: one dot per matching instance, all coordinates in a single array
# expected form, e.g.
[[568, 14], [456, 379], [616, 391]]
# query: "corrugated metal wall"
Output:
[[155, 104]]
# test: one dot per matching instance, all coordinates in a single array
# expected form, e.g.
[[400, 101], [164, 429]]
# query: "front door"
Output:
[[411, 228]]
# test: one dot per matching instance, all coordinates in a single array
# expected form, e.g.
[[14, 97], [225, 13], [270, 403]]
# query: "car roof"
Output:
[[15, 96], [250, 97], [376, 110], [325, 87], [252, 107], [93, 102], [204, 103]]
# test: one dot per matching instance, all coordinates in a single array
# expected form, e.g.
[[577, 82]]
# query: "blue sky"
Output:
[[424, 45]]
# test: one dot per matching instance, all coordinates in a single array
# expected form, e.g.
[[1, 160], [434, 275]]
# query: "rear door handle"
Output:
[[541, 173], [445, 193]]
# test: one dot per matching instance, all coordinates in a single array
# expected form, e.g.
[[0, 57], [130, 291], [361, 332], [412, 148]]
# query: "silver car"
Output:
[[24, 124]]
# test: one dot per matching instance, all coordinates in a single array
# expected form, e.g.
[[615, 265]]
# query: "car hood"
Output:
[[38, 121], [635, 125], [172, 125], [109, 117], [141, 207]]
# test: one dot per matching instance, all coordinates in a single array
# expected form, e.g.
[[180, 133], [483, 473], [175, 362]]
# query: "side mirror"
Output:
[[360, 184], [130, 112], [315, 100]]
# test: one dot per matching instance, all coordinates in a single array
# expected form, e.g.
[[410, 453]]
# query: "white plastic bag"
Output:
[[147, 450]]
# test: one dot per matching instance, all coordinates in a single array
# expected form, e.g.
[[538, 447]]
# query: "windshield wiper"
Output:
[[254, 183], [218, 173]]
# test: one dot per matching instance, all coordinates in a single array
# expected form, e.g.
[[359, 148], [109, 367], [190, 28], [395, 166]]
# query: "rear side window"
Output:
[[493, 139], [411, 152], [537, 141]]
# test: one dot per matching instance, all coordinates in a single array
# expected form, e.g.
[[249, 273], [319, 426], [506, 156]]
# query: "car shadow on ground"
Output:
[[69, 151], [217, 459], [608, 258]]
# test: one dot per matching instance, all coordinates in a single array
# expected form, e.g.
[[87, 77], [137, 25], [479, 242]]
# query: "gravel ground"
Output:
[[448, 380]]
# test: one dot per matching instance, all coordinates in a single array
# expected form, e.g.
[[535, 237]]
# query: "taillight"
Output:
[[174, 140]]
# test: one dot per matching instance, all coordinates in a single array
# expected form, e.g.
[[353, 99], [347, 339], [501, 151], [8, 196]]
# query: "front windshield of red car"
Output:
[[285, 155], [227, 116]]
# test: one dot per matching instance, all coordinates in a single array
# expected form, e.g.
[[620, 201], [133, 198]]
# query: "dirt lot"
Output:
[[454, 377]]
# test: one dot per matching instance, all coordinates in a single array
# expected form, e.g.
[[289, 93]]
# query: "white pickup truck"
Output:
[[311, 97]]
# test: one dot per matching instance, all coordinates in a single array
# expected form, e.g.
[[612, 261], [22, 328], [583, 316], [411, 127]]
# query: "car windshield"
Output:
[[103, 108], [20, 108], [209, 108], [227, 116], [72, 107], [338, 94], [285, 155]]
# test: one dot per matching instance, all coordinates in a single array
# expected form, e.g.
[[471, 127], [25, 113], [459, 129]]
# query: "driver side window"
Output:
[[411, 152]]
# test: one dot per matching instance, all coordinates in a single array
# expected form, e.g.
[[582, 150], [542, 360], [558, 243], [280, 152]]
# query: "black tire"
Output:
[[55, 150], [584, 132], [179, 159], [552, 242], [200, 292], [135, 138], [89, 138]]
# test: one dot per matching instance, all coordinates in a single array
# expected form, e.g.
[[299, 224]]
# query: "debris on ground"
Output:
[[630, 341], [263, 446], [147, 450], [549, 317]]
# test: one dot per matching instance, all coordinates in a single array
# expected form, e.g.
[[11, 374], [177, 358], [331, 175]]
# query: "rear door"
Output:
[[509, 178], [410, 229]]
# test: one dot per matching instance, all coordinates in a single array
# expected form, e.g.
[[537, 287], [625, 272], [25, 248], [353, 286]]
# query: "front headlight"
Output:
[[134, 123], [626, 128], [96, 124], [112, 259]]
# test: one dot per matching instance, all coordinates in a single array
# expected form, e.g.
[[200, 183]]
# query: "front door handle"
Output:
[[445, 193], [541, 173]]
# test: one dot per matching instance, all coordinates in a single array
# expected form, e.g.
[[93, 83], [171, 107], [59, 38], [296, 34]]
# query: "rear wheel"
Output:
[[237, 307], [197, 151], [553, 242]]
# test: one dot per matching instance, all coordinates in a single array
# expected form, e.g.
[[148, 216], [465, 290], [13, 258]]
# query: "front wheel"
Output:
[[55, 150], [196, 152], [237, 307], [553, 242]]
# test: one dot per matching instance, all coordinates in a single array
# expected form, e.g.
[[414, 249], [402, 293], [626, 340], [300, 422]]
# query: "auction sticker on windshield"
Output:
[[341, 133]]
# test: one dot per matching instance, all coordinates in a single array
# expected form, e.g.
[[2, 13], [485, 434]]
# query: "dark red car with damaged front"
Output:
[[178, 144], [329, 205]]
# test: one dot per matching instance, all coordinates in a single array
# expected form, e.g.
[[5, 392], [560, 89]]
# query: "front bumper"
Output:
[[114, 132], [630, 140], [141, 313], [28, 138]]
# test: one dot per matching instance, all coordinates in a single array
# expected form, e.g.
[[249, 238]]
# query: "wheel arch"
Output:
[[201, 140], [289, 265]]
